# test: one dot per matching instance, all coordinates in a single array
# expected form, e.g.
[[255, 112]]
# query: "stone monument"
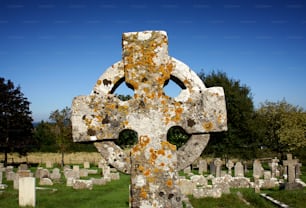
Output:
[[153, 162]]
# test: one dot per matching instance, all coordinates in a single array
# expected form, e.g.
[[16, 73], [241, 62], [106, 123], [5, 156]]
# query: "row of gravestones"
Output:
[[223, 180], [23, 179], [290, 168]]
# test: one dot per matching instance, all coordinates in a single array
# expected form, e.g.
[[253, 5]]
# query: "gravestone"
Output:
[[257, 169], [218, 165], [290, 164], [49, 164], [229, 166], [86, 165], [239, 170], [212, 168], [27, 196], [298, 170], [153, 162], [202, 166], [274, 166]]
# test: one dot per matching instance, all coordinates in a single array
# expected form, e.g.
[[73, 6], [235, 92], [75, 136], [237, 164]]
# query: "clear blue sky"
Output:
[[56, 50]]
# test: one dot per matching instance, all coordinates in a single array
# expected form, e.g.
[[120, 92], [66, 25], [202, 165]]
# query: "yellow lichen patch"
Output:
[[151, 179], [141, 168], [162, 164], [220, 119], [143, 193], [207, 126], [169, 156], [99, 82], [167, 145], [111, 106], [125, 123], [169, 183]]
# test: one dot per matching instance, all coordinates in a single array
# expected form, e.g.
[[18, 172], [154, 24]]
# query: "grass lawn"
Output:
[[112, 195]]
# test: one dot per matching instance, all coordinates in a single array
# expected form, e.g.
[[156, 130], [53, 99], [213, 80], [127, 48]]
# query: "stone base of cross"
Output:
[[153, 162]]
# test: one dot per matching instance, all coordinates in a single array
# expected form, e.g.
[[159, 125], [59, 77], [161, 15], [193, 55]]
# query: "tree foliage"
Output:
[[15, 120], [239, 140], [284, 125], [62, 129]]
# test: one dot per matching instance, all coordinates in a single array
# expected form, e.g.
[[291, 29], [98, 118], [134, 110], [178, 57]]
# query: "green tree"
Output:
[[15, 120], [62, 129], [240, 139], [45, 137], [284, 125]]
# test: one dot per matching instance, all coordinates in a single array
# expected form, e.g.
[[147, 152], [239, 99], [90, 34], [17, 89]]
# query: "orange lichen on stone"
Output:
[[135, 149], [161, 152], [169, 183], [207, 126], [99, 82], [144, 140], [147, 173]]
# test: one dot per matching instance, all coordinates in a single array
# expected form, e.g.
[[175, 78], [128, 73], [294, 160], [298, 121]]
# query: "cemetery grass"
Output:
[[114, 194]]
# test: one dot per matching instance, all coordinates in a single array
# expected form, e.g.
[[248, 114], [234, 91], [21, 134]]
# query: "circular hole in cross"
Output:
[[178, 136], [173, 87], [127, 138]]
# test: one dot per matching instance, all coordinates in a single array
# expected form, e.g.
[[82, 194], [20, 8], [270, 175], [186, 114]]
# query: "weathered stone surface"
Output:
[[257, 169], [98, 181], [199, 180], [45, 182], [239, 170], [92, 171], [55, 175], [202, 166], [82, 184], [186, 186], [218, 165], [207, 192], [153, 162], [83, 172], [27, 193], [290, 164]]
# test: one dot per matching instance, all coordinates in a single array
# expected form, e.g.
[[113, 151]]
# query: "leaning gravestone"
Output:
[[153, 162]]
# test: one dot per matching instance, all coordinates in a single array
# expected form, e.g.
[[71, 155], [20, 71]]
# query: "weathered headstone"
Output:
[[202, 166], [239, 170], [257, 169], [86, 165], [55, 175], [274, 166], [153, 162], [218, 165], [23, 166], [212, 168], [290, 163], [229, 165], [27, 195], [298, 170], [49, 164]]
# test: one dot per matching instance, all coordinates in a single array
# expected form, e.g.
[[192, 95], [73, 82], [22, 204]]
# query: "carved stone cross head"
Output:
[[153, 162]]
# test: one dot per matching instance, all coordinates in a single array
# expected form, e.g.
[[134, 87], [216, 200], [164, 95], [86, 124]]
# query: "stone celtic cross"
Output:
[[153, 162]]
